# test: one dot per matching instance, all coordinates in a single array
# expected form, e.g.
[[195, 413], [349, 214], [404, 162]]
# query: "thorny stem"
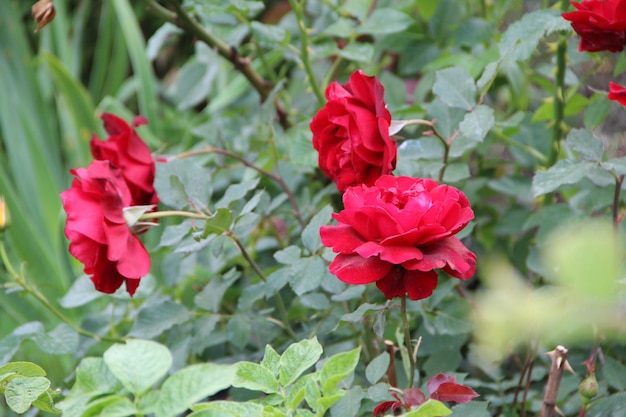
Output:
[[298, 10], [183, 20], [407, 341], [20, 279], [276, 178], [559, 102]]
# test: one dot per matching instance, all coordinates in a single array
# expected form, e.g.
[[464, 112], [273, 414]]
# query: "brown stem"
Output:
[[183, 20], [392, 377], [619, 180], [558, 365]]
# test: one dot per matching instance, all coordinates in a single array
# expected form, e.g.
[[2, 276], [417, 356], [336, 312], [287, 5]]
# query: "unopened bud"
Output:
[[5, 220], [589, 387], [44, 13]]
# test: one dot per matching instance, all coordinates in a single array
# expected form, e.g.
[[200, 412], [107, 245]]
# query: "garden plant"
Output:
[[298, 208]]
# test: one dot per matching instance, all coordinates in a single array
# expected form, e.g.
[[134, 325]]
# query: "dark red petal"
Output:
[[436, 380], [449, 391], [354, 269]]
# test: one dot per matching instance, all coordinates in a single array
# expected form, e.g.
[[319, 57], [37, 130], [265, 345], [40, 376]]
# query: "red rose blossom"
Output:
[[617, 93], [601, 24], [99, 236], [397, 233], [351, 133], [127, 151]]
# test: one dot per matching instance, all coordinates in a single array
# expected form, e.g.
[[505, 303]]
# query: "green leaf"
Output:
[[94, 376], [269, 36], [521, 38], [377, 368], [337, 368], [477, 123], [271, 360], [236, 192], [385, 21], [220, 222], [239, 330], [349, 404], [357, 51], [111, 406], [45, 402], [563, 172], [358, 314], [472, 409], [25, 369], [295, 394], [431, 408], [306, 274], [153, 320], [192, 384], [446, 324], [255, 378], [289, 255], [138, 364], [147, 95], [20, 393], [227, 409], [615, 165], [588, 146], [456, 88], [212, 294], [61, 340], [311, 233], [298, 358]]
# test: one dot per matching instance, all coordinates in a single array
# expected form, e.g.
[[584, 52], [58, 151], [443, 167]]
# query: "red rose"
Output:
[[601, 24], [99, 236], [397, 232], [125, 149], [617, 93], [351, 133]]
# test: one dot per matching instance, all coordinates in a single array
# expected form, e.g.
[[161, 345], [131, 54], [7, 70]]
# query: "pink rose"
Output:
[[127, 151], [617, 93], [601, 24], [397, 233], [351, 133], [99, 236]]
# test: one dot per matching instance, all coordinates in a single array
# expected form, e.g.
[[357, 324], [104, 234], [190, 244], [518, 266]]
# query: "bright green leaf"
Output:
[[192, 384], [337, 368], [138, 364], [431, 408], [385, 21], [298, 358], [20, 393], [255, 378]]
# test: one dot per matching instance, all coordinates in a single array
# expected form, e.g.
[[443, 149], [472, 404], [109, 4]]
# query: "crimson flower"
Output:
[[601, 24], [351, 132], [617, 93], [397, 233], [127, 151], [99, 236]]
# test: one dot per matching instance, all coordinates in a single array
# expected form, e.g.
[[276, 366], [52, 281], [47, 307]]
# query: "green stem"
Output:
[[407, 341], [298, 10], [21, 281], [559, 93], [279, 299]]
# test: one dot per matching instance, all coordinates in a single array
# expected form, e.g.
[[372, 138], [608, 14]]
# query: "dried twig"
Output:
[[558, 366]]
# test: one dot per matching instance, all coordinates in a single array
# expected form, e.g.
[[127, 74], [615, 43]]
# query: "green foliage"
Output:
[[474, 96]]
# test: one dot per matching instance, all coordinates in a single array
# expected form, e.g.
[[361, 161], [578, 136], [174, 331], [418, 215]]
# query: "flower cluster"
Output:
[[601, 24], [394, 231], [120, 177]]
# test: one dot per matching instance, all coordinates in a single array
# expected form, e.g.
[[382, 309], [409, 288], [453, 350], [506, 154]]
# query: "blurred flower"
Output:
[[98, 233], [441, 387], [5, 219], [43, 12], [397, 232], [617, 93], [128, 152], [601, 24], [351, 133]]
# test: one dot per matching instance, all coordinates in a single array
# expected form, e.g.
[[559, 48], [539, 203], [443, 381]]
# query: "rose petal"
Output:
[[354, 269]]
